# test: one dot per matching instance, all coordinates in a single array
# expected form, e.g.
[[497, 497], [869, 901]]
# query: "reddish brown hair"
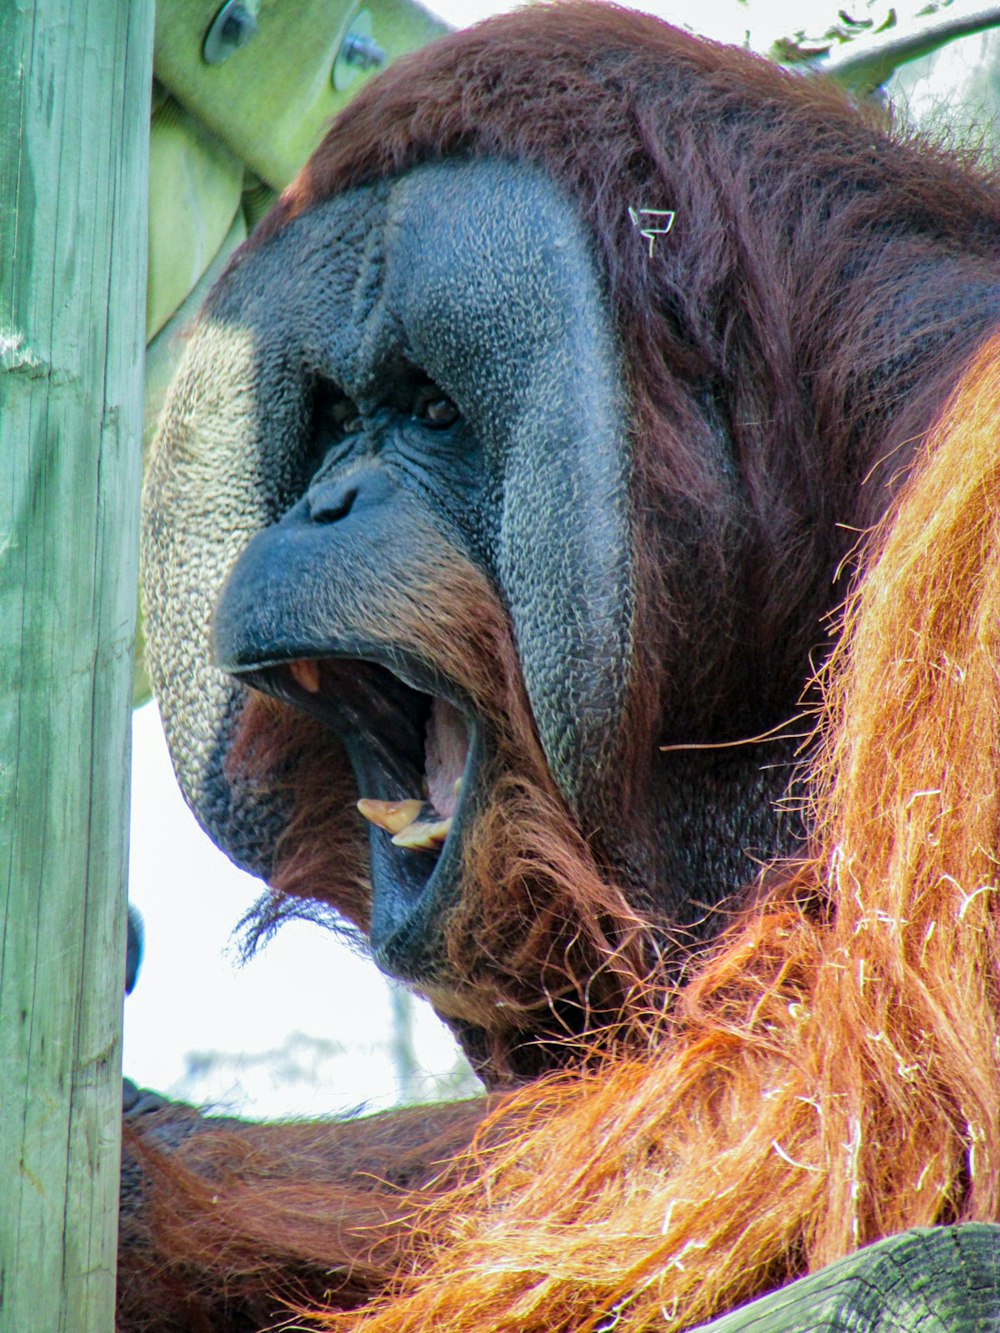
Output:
[[538, 920], [767, 316], [829, 1075], [829, 1080], [799, 219], [825, 1079]]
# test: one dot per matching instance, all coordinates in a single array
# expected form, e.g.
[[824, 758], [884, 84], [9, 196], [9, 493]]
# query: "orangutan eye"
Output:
[[347, 417], [434, 408], [334, 414]]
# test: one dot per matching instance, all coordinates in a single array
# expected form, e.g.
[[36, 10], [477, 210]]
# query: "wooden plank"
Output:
[[928, 1280], [75, 80]]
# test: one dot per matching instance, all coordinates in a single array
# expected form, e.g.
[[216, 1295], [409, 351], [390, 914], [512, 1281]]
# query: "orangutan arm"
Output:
[[224, 1222]]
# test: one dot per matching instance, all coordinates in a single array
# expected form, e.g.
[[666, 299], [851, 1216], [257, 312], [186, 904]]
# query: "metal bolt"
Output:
[[362, 51], [233, 26], [359, 51]]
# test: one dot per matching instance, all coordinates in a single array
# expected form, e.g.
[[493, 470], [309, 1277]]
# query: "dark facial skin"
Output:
[[413, 386], [464, 406]]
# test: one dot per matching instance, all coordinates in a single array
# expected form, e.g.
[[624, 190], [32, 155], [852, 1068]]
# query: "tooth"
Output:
[[457, 787], [393, 816], [306, 673], [423, 835]]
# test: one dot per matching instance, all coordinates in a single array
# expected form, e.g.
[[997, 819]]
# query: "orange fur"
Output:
[[240, 1218], [831, 1074], [828, 1074]]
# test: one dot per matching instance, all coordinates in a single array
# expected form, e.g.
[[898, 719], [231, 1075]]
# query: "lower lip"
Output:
[[412, 891]]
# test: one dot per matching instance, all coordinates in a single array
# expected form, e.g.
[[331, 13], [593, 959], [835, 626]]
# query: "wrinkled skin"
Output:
[[414, 387], [535, 497], [436, 357]]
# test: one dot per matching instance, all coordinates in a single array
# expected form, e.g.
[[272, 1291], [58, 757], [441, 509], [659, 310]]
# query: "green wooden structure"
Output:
[[928, 1280], [74, 99]]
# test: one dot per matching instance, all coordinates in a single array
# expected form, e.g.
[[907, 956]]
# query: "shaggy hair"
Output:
[[828, 1078], [802, 310], [828, 1072], [799, 309]]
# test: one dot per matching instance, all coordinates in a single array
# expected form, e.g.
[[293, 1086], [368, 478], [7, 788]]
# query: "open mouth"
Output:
[[415, 749]]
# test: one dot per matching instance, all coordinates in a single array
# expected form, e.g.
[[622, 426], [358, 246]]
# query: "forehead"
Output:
[[453, 261]]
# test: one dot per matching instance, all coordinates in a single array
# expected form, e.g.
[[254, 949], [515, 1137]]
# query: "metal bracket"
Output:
[[233, 26]]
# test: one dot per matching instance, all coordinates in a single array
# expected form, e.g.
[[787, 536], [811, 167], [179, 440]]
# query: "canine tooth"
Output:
[[457, 787], [306, 673], [424, 835], [393, 816]]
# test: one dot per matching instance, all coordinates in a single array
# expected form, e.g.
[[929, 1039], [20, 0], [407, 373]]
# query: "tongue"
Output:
[[446, 748], [445, 752]]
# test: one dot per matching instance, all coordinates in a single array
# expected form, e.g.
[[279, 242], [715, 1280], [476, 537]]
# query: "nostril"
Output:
[[330, 502], [331, 499]]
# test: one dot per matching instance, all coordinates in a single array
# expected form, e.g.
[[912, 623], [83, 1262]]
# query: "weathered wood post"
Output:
[[74, 125]]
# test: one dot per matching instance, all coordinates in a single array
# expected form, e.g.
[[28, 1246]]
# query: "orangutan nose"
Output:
[[331, 500]]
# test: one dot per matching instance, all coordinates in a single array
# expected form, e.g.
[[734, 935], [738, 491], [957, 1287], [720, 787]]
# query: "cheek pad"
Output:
[[232, 454], [509, 315]]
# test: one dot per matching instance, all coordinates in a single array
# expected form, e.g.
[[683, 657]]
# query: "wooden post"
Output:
[[924, 1280], [74, 124]]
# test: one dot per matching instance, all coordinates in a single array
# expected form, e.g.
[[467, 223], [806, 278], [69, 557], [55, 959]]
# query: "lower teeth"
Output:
[[401, 819], [423, 835]]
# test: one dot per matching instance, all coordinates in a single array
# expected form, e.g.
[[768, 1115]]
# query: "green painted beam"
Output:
[[928, 1280], [271, 100], [75, 81]]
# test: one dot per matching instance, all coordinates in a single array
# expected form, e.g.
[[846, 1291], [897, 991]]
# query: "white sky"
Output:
[[192, 997], [724, 20]]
